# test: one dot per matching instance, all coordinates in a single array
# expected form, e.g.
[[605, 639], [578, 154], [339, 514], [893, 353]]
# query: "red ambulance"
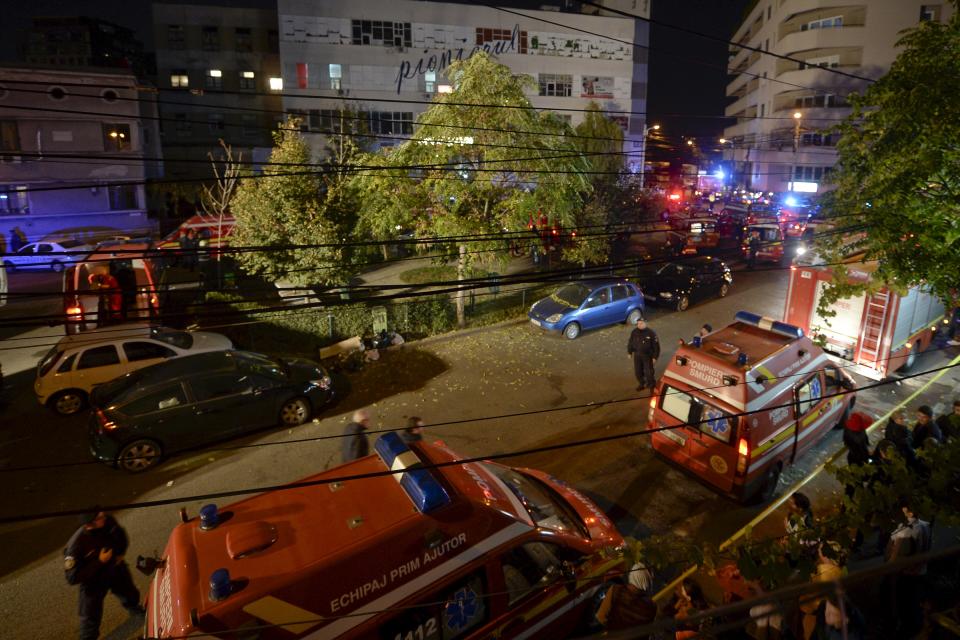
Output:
[[739, 405], [462, 550], [878, 332]]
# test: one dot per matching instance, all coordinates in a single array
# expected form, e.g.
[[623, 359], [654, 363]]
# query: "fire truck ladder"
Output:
[[871, 332]]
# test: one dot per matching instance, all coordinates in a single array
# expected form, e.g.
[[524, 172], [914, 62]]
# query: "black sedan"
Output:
[[679, 284], [187, 402]]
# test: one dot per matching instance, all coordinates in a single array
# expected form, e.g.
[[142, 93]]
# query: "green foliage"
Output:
[[437, 273], [898, 175], [277, 210]]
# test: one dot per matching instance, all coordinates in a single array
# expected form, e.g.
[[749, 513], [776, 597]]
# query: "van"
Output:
[[406, 543], [80, 362], [737, 406]]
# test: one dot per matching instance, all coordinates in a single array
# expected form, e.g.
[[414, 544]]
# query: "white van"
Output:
[[79, 362]]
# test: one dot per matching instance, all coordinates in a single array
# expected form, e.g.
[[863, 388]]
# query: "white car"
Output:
[[79, 362], [47, 255]]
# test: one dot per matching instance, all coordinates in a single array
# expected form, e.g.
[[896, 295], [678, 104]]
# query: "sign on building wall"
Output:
[[596, 87]]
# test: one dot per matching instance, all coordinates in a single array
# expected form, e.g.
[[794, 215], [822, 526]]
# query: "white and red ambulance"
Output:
[[737, 406], [437, 550]]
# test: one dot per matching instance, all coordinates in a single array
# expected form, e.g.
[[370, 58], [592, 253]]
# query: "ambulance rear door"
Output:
[[815, 414], [705, 442]]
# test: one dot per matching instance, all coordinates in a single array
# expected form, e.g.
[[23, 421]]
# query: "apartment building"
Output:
[[218, 71], [784, 108], [348, 54], [72, 154]]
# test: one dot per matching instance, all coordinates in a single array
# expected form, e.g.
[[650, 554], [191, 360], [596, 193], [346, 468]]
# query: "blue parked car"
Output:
[[588, 304]]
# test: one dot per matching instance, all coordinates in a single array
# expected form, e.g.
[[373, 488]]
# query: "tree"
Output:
[[283, 207], [483, 169], [897, 180], [215, 199]]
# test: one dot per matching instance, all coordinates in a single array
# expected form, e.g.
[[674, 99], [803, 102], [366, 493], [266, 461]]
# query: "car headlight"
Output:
[[666, 294], [323, 383], [555, 317]]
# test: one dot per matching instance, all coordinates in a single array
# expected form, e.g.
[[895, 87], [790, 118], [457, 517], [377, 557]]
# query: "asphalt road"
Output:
[[471, 377]]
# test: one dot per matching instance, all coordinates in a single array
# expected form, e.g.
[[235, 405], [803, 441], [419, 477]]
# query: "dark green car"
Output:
[[190, 401]]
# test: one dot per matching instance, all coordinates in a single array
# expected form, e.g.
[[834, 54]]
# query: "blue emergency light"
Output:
[[420, 485], [769, 324], [220, 585]]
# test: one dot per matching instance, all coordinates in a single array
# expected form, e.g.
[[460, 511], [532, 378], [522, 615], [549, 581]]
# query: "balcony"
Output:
[[844, 37], [852, 16], [741, 105]]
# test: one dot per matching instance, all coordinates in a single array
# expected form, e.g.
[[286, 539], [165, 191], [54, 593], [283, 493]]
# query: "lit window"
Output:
[[248, 80], [276, 84], [444, 88], [179, 79], [336, 76], [214, 79], [430, 81]]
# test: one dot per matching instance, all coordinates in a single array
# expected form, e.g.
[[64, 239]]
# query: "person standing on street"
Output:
[[925, 427], [855, 438], [753, 246], [93, 559], [355, 443], [413, 431], [949, 423], [644, 347]]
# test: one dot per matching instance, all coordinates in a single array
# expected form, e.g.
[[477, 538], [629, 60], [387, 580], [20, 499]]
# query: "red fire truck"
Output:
[[390, 546], [880, 332]]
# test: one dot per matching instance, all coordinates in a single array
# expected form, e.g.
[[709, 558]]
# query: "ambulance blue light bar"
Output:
[[420, 485], [769, 324]]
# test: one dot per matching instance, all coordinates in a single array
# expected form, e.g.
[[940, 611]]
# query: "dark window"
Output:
[[123, 197], [243, 39], [136, 351], [382, 33], [210, 39], [832, 377], [176, 37], [116, 137], [67, 364], [528, 568], [273, 41], [215, 123], [451, 612], [809, 394], [183, 126], [9, 136], [98, 357], [165, 398], [219, 385], [620, 292]]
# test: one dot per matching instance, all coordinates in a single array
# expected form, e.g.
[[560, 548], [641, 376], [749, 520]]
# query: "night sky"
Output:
[[677, 83]]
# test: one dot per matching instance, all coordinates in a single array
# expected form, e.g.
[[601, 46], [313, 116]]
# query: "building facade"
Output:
[[215, 66], [92, 121], [79, 41], [783, 108], [348, 54]]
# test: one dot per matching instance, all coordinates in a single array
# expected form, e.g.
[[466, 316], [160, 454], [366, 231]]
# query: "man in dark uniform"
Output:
[[93, 559], [644, 346]]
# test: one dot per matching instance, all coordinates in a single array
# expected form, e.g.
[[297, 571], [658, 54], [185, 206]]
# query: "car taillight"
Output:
[[653, 406], [74, 311], [106, 424], [743, 454]]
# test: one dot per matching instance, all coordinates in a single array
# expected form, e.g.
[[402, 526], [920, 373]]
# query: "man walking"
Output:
[[644, 346], [355, 443], [93, 559]]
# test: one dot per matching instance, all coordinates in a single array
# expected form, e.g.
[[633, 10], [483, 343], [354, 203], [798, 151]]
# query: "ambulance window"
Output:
[[547, 508], [809, 394], [680, 405], [716, 423], [451, 612], [528, 568], [832, 376]]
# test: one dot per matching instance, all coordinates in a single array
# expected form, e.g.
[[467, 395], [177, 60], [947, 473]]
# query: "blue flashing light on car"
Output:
[[419, 484], [769, 324]]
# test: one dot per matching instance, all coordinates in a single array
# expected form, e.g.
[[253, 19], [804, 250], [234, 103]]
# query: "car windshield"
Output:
[[768, 234], [48, 361], [674, 270], [572, 294], [180, 339], [257, 363], [546, 507]]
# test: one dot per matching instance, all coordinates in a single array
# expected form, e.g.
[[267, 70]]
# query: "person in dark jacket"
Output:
[[355, 443], [413, 431], [93, 559], [897, 432], [855, 438], [925, 427], [644, 347], [949, 423]]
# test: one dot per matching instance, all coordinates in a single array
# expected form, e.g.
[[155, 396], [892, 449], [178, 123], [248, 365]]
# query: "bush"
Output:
[[438, 273]]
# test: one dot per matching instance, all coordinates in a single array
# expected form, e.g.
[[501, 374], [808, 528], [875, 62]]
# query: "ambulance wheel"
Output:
[[634, 316], [769, 489], [571, 331], [683, 303], [724, 290], [139, 455], [294, 412]]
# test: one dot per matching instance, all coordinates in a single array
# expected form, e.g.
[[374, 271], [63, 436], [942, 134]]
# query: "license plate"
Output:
[[536, 322], [676, 437]]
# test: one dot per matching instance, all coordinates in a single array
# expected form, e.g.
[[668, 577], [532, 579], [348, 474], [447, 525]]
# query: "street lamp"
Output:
[[643, 150]]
